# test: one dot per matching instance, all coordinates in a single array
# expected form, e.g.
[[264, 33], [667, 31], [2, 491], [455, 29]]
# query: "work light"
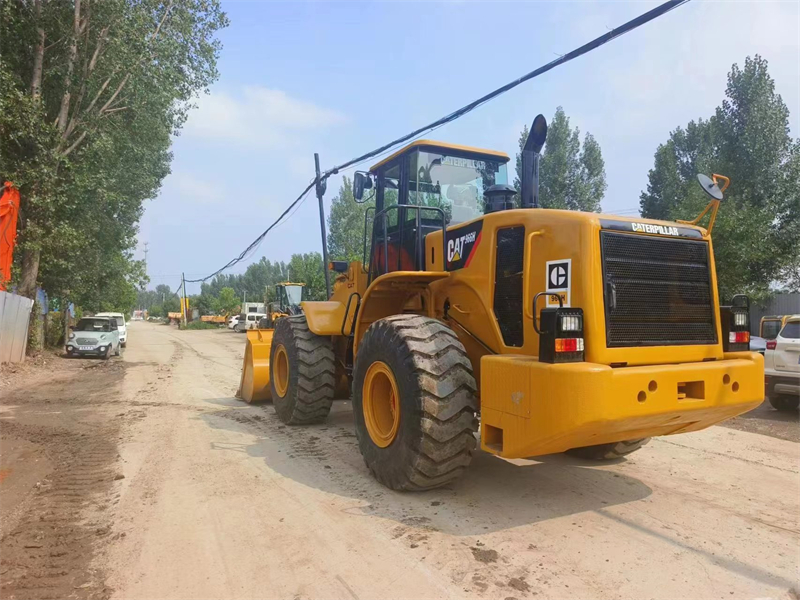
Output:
[[735, 322], [560, 333]]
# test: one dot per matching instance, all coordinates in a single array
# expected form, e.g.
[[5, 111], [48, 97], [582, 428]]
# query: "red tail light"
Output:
[[771, 344]]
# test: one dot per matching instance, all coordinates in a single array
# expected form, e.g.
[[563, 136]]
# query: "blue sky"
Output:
[[340, 78]]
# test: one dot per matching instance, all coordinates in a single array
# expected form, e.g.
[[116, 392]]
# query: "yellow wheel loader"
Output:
[[559, 331], [254, 384]]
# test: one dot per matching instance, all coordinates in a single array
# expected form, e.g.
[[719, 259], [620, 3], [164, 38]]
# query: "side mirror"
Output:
[[361, 181]]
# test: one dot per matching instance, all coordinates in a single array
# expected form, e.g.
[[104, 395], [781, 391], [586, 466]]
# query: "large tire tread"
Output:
[[611, 451], [309, 397], [440, 434]]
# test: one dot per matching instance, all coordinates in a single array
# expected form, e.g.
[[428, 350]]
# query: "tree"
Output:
[[346, 224], [757, 232], [228, 302], [570, 176], [91, 92], [307, 268]]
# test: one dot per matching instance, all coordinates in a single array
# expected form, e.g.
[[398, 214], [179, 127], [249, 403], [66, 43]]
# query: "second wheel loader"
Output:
[[559, 331]]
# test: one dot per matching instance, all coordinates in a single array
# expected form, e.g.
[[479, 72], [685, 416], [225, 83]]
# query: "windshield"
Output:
[[294, 293], [770, 329], [452, 183], [93, 325]]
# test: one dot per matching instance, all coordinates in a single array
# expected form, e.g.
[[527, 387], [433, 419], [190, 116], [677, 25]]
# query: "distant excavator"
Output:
[[9, 212]]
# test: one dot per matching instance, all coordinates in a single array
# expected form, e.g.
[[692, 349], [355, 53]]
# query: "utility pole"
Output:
[[320, 185], [183, 306]]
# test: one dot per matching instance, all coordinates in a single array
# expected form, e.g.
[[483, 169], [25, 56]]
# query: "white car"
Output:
[[121, 326], [782, 367], [250, 323], [94, 336], [233, 321]]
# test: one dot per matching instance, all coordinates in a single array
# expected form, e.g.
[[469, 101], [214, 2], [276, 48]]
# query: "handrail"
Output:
[[355, 314], [366, 218]]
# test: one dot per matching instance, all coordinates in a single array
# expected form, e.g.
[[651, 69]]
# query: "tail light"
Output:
[[735, 322], [772, 344], [560, 334]]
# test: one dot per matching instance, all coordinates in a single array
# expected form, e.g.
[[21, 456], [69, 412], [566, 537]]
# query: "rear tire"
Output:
[[303, 381], [432, 443], [610, 451], [117, 352], [784, 403]]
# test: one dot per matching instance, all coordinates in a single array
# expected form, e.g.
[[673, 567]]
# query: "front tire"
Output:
[[611, 451], [784, 403], [414, 403], [302, 372]]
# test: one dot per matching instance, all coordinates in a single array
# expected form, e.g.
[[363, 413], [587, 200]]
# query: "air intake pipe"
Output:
[[530, 162]]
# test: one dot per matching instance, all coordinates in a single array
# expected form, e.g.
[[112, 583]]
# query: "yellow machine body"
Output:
[[529, 407]]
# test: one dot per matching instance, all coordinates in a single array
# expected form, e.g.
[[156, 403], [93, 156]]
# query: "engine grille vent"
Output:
[[657, 291], [508, 284]]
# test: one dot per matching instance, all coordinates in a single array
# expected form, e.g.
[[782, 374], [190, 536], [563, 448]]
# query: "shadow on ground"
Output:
[[493, 495]]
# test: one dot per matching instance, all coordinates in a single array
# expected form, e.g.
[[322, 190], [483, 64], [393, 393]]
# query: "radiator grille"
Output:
[[86, 341], [508, 284], [657, 291]]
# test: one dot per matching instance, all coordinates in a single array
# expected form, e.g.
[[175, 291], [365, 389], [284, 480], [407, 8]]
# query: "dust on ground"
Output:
[[58, 451]]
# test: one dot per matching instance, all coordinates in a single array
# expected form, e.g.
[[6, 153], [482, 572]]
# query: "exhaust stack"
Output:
[[530, 162]]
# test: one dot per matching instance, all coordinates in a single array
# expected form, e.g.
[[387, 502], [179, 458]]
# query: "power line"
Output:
[[588, 47]]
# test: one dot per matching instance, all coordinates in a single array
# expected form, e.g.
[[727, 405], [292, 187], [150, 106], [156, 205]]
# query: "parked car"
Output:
[[250, 322], [233, 321], [770, 325], [94, 336], [121, 326], [782, 367], [758, 344]]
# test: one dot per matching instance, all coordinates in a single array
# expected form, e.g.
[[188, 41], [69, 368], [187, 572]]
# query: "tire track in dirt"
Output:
[[47, 551]]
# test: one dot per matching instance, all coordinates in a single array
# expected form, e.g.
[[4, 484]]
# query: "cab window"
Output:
[[453, 183], [791, 331]]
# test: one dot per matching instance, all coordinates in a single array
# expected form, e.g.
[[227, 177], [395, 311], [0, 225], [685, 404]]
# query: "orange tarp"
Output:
[[9, 211]]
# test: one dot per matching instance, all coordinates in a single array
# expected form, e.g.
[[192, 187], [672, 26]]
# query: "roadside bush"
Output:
[[199, 325]]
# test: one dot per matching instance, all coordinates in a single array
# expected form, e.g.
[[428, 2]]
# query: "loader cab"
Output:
[[288, 296], [426, 186]]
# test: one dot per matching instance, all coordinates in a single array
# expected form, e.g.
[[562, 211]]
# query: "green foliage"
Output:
[[346, 224], [571, 176], [156, 310], [757, 232], [307, 268], [227, 302], [88, 139], [198, 325]]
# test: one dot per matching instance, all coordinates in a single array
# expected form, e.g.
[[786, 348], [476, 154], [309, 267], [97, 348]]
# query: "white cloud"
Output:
[[257, 116]]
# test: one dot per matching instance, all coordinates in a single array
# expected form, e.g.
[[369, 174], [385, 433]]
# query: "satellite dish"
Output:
[[709, 186], [538, 133]]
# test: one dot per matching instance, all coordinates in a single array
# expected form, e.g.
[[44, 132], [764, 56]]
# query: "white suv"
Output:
[[121, 326], [782, 367]]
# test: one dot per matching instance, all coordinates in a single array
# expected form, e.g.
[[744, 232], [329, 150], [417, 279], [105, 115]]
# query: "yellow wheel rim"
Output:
[[381, 404], [281, 370]]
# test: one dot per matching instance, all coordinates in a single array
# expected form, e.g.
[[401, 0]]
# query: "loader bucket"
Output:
[[254, 385]]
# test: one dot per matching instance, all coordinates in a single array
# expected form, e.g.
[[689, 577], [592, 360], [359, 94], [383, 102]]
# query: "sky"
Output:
[[341, 78]]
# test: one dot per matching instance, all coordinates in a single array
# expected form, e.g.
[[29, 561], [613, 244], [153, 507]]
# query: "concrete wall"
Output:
[[15, 313]]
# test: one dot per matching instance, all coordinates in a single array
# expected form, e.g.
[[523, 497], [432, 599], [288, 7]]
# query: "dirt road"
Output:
[[145, 478]]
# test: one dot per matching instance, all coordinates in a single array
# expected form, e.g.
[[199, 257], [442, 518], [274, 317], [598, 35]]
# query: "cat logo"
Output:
[[461, 245], [559, 281]]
